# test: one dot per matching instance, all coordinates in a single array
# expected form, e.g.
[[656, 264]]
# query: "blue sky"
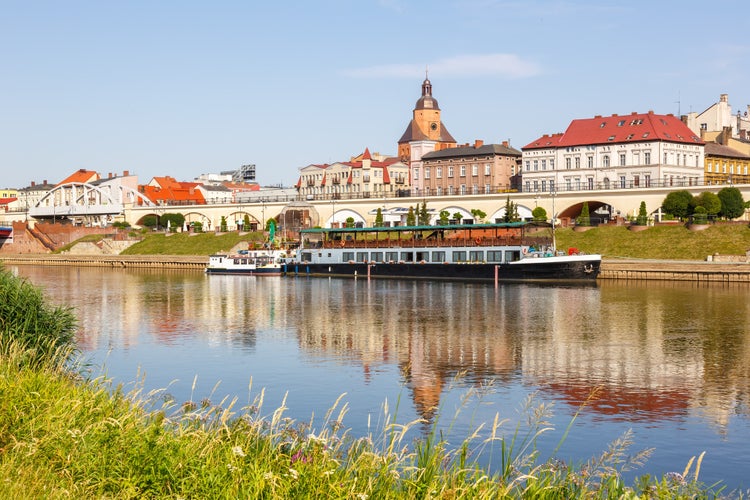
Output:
[[186, 87]]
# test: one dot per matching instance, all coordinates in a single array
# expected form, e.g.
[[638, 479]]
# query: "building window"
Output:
[[647, 180], [439, 172], [475, 189], [463, 170], [527, 165], [578, 162], [568, 185], [551, 186], [427, 172], [416, 173], [552, 164], [450, 171], [463, 188], [487, 169], [590, 161], [622, 159], [605, 161], [536, 165], [544, 185], [665, 158], [622, 182], [474, 169], [536, 186], [528, 186], [487, 189], [636, 180], [544, 164], [647, 158], [567, 163]]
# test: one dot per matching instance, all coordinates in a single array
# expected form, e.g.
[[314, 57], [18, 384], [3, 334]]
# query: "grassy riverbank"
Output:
[[65, 436], [659, 242]]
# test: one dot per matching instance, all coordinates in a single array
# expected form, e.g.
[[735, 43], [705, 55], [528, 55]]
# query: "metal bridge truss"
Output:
[[87, 204]]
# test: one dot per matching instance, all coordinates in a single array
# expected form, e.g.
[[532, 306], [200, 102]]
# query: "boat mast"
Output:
[[554, 217]]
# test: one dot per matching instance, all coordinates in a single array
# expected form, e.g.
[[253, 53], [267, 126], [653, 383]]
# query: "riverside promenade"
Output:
[[611, 269]]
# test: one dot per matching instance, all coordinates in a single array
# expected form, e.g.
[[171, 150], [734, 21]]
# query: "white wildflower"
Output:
[[237, 450], [268, 476], [294, 473]]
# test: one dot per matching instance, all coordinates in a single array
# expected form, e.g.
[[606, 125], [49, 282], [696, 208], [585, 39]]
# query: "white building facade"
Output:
[[615, 152]]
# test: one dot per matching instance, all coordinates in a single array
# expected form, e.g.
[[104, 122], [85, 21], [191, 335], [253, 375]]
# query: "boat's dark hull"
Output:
[[546, 270], [247, 272]]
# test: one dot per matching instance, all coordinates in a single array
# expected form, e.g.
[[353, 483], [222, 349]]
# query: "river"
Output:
[[668, 361]]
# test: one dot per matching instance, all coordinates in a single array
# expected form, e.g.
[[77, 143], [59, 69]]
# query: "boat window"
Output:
[[376, 256], [494, 256], [476, 255], [438, 256], [347, 256], [306, 257], [391, 256], [459, 256], [407, 257], [423, 256], [512, 255], [361, 256]]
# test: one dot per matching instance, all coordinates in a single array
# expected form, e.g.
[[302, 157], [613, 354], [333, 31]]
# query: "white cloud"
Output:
[[502, 65]]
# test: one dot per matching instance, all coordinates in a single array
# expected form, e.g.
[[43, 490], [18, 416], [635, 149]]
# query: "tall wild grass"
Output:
[[65, 437]]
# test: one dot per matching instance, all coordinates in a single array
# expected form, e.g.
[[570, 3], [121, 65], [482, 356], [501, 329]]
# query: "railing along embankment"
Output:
[[188, 262], [646, 269]]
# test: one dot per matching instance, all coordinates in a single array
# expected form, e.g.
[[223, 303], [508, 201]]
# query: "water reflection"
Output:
[[672, 356]]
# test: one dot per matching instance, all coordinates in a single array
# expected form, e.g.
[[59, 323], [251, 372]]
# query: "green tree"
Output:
[[223, 224], [246, 222], [458, 216], [197, 226], [379, 218], [444, 217], [642, 218], [149, 221], [708, 200], [511, 211], [350, 222], [677, 203], [411, 219], [424, 215], [732, 203], [585, 218], [479, 215], [539, 214], [700, 215], [173, 221]]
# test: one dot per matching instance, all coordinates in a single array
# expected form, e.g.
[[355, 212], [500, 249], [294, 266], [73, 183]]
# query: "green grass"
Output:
[[658, 242], [189, 243]]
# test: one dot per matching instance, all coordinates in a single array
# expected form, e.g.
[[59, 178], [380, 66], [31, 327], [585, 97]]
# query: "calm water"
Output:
[[671, 361]]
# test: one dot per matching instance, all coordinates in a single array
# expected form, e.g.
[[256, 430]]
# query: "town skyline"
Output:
[[183, 92]]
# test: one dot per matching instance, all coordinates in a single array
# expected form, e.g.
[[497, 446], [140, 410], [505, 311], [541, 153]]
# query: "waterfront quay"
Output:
[[611, 269]]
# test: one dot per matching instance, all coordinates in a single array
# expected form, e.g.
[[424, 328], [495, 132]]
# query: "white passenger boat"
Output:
[[264, 262], [517, 251]]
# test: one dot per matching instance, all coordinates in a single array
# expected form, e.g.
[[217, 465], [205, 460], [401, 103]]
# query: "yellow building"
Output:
[[725, 165], [8, 193]]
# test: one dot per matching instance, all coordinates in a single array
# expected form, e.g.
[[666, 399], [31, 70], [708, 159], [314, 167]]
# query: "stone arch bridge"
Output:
[[292, 214]]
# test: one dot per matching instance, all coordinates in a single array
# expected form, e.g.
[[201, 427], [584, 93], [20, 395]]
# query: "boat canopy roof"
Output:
[[449, 227]]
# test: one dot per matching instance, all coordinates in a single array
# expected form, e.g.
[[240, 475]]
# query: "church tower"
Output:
[[424, 134]]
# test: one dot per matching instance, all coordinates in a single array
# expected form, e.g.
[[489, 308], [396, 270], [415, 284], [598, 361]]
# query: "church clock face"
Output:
[[433, 126]]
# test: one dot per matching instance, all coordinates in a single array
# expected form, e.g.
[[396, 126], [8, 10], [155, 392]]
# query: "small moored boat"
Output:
[[265, 262]]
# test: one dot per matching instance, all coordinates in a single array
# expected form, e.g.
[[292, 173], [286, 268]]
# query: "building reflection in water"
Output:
[[651, 350]]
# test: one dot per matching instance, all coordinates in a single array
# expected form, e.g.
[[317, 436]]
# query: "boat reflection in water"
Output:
[[671, 361]]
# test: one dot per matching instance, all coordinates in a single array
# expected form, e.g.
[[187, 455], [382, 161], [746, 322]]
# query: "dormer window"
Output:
[[611, 138]]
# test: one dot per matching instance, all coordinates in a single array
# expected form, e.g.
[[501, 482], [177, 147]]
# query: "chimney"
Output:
[[478, 143], [45, 182], [125, 173], [33, 183], [109, 175], [505, 143]]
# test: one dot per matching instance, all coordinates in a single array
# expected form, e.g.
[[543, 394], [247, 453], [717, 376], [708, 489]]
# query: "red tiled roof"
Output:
[[174, 194], [80, 176], [618, 129], [7, 201]]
